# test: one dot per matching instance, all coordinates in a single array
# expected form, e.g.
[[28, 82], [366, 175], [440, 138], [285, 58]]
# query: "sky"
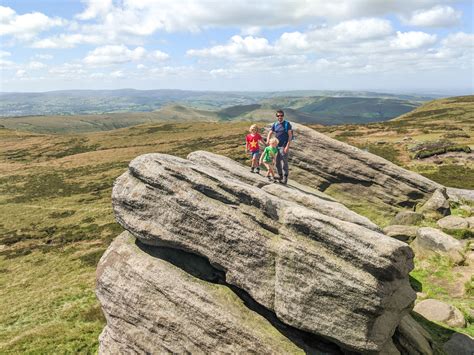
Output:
[[410, 46]]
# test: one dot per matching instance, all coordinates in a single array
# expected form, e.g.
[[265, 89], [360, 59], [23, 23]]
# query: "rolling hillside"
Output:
[[55, 193], [321, 110]]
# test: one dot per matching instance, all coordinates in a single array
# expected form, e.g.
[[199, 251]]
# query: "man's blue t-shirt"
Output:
[[281, 133]]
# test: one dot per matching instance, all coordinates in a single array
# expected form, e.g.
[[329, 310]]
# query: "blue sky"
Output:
[[390, 45]]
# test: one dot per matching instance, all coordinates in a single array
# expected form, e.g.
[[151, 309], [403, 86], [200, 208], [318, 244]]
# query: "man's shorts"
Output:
[[255, 154]]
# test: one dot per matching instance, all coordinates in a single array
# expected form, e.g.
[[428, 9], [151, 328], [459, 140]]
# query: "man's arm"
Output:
[[269, 135], [290, 137]]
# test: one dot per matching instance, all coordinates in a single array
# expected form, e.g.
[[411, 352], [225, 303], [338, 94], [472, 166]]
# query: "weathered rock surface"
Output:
[[438, 311], [459, 344], [412, 338], [437, 205], [407, 218], [318, 266], [403, 233], [470, 221], [460, 194], [453, 222], [323, 162], [159, 300], [432, 239]]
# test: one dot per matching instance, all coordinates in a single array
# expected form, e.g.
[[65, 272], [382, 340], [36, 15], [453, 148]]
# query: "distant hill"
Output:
[[460, 108], [306, 109], [81, 102]]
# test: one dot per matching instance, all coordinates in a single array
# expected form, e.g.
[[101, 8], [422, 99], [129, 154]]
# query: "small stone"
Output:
[[433, 240], [470, 221], [459, 344], [403, 233], [407, 218], [421, 295], [453, 222], [437, 205], [438, 311]]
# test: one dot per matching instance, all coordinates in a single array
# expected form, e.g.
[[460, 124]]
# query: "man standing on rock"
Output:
[[284, 132]]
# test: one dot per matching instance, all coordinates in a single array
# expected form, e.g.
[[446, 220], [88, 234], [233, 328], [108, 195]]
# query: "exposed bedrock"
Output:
[[318, 266], [323, 162]]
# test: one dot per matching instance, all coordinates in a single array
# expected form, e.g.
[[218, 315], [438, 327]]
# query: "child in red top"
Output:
[[253, 147]]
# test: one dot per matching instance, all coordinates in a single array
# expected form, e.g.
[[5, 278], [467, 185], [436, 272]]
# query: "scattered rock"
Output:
[[407, 218], [407, 138], [456, 195], [316, 272], [459, 344], [413, 338], [470, 221], [437, 205], [453, 222], [438, 311], [433, 240], [403, 233]]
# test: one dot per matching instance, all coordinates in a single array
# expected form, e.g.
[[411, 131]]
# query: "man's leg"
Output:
[[285, 168], [279, 161]]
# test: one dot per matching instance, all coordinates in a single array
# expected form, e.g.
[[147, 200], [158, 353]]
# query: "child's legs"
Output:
[[255, 157], [269, 169]]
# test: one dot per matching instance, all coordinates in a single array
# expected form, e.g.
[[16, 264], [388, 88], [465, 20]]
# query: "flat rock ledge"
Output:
[[318, 267]]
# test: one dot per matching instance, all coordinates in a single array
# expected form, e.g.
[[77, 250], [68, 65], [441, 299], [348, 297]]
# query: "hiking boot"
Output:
[[270, 178], [285, 180], [278, 178], [251, 169], [257, 170]]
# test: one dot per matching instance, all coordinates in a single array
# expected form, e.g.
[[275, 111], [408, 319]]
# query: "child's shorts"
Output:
[[255, 154]]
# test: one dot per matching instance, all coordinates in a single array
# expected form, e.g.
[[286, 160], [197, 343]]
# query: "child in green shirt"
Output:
[[269, 157]]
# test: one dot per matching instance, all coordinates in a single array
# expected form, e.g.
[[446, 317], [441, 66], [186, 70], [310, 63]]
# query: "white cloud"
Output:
[[119, 54], [159, 55], [114, 54], [34, 65], [438, 16], [68, 70], [4, 54], [95, 8], [117, 74], [145, 17], [141, 66], [67, 41], [20, 73], [25, 26], [459, 40], [237, 46], [412, 40], [43, 56]]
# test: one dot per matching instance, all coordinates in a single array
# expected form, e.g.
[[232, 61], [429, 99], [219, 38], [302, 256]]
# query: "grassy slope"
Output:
[[55, 196], [55, 199]]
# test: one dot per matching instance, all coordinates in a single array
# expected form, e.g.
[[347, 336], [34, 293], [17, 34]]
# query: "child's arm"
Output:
[[246, 146]]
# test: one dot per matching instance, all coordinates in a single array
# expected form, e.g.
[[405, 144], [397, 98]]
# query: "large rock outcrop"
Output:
[[325, 163], [312, 263]]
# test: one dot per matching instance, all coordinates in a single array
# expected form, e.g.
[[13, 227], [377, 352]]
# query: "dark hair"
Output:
[[281, 111]]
